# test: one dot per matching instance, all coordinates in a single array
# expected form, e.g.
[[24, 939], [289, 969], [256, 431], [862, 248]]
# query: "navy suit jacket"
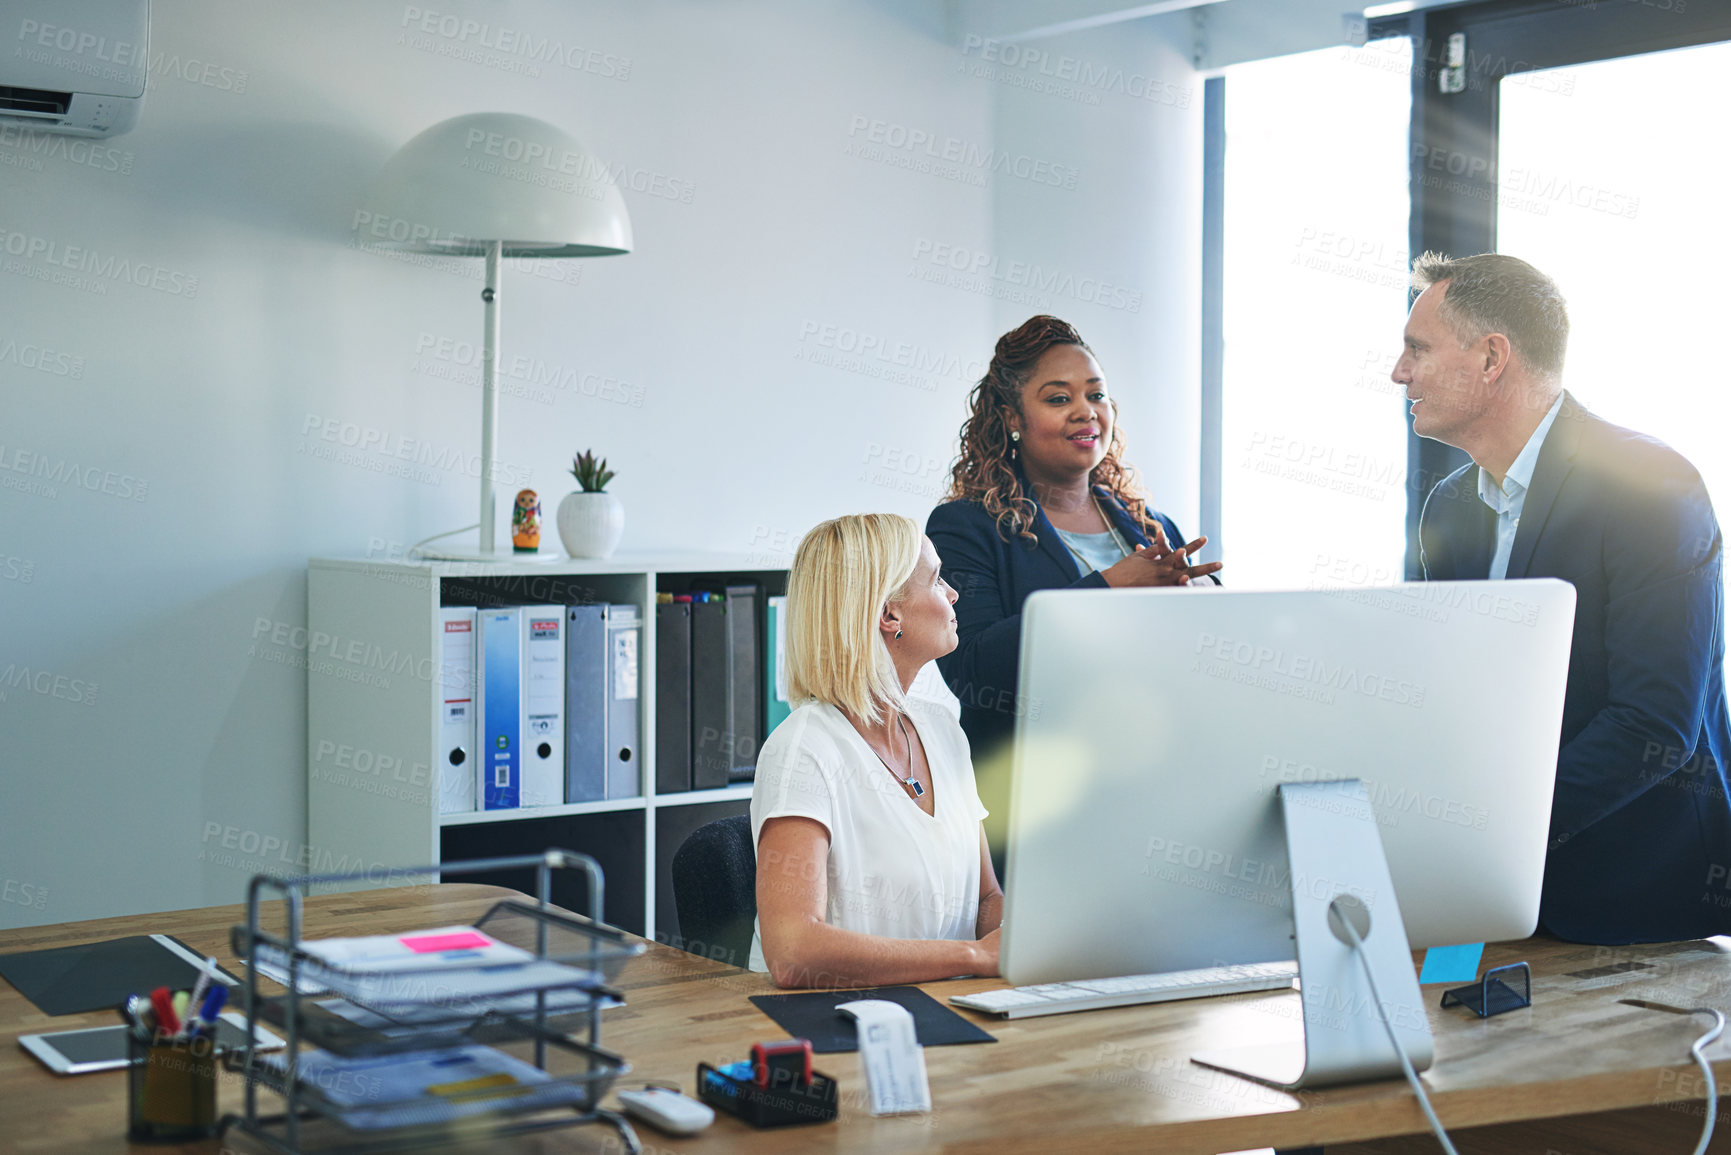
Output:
[[1640, 839], [992, 578]]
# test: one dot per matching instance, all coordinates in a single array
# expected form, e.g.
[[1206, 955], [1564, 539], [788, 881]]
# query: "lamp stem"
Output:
[[489, 393]]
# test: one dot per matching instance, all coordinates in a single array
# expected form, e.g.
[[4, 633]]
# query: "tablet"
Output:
[[104, 1048]]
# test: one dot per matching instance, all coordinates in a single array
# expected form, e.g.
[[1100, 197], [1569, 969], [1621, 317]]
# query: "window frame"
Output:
[[1503, 37], [1456, 216]]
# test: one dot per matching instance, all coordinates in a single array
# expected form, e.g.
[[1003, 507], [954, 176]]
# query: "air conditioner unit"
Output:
[[73, 66]]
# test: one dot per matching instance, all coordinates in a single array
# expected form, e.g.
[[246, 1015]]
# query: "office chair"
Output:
[[715, 890]]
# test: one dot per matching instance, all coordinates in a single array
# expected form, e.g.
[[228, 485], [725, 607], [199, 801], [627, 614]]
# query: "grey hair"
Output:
[[1495, 293]]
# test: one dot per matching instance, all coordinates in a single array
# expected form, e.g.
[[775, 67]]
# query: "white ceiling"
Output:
[[1220, 32]]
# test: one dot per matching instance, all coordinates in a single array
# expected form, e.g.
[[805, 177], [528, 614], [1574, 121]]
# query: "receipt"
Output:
[[895, 1064]]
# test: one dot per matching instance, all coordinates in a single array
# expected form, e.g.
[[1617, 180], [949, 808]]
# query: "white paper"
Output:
[[386, 973], [405, 1020], [421, 1087], [279, 975], [398, 952], [890, 1052], [472, 990]]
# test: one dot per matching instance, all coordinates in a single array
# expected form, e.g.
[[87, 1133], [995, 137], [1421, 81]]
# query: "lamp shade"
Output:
[[472, 180]]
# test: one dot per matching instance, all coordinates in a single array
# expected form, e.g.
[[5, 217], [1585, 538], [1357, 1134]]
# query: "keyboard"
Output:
[[1133, 990]]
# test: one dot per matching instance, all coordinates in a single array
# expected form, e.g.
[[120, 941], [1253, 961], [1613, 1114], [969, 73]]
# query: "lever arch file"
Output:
[[709, 714], [456, 761], [673, 698], [543, 698], [624, 631], [585, 703], [499, 680], [744, 709]]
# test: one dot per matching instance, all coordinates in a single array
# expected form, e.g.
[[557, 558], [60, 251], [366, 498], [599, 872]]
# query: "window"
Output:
[[1609, 185], [1313, 432]]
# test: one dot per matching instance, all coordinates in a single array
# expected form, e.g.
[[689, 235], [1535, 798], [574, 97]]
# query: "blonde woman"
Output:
[[871, 860]]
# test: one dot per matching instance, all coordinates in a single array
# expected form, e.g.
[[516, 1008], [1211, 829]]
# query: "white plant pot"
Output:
[[590, 524]]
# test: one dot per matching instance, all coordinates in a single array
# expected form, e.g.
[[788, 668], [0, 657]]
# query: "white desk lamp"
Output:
[[494, 184]]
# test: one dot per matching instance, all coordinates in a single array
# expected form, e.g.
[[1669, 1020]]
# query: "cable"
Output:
[[1343, 925], [1405, 1063], [1701, 1045], [1707, 1071], [1697, 1052], [415, 550]]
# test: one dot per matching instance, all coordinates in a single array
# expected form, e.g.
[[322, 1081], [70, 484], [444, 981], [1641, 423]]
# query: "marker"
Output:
[[163, 1004], [212, 1006]]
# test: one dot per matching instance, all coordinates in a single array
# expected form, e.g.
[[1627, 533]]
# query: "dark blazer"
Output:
[[992, 578], [1641, 818]]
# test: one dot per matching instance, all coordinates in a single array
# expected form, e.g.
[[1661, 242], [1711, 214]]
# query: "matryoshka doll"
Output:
[[526, 522]]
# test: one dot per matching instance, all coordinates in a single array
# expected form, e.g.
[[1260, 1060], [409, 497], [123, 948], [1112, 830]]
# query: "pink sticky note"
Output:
[[429, 943]]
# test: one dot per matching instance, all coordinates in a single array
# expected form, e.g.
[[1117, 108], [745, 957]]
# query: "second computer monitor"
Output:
[[1155, 727]]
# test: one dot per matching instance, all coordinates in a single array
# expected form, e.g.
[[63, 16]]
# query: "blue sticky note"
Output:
[[1451, 964]]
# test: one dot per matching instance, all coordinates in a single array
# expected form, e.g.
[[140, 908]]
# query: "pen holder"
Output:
[[171, 1089]]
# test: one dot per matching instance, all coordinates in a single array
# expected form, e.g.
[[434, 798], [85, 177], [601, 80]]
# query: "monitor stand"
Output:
[[1334, 851]]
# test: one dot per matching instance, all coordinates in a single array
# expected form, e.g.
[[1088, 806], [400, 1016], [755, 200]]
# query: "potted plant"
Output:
[[591, 519]]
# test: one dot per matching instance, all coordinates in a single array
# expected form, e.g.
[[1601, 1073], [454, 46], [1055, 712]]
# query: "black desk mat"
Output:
[[812, 1015]]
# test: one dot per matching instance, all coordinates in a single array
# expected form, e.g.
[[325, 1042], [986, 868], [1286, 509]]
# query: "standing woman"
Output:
[[871, 860], [1040, 498]]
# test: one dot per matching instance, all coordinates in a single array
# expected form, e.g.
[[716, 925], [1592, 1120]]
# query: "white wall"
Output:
[[1119, 255], [165, 469]]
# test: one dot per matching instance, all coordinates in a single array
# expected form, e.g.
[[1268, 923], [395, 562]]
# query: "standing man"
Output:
[[1640, 839]]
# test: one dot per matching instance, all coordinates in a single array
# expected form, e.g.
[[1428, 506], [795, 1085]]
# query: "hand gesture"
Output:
[[1158, 564]]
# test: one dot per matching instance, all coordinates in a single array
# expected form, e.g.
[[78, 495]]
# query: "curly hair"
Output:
[[983, 472]]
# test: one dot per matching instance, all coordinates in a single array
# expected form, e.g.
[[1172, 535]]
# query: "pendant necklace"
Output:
[[1117, 539], [912, 783]]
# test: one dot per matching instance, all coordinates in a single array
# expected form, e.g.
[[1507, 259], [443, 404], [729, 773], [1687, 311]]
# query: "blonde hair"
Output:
[[844, 573]]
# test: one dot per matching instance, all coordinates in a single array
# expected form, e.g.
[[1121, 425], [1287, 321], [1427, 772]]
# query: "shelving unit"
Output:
[[603, 806], [373, 703]]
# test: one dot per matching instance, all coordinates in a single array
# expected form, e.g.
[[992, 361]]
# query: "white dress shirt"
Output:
[[1508, 500], [893, 869]]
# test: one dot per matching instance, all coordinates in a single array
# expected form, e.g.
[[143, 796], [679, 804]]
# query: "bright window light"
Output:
[[1611, 179], [1314, 472]]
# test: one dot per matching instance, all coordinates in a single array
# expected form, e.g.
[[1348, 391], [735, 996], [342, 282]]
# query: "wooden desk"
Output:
[[1100, 1081]]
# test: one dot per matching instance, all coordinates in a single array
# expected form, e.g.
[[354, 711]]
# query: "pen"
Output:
[[198, 988]]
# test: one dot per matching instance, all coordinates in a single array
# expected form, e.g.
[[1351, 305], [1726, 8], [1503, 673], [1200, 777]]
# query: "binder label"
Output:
[[625, 665]]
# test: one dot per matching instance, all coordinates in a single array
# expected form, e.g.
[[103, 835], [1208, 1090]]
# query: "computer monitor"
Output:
[[1155, 727]]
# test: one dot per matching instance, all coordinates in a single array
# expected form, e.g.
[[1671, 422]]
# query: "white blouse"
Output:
[[893, 869]]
